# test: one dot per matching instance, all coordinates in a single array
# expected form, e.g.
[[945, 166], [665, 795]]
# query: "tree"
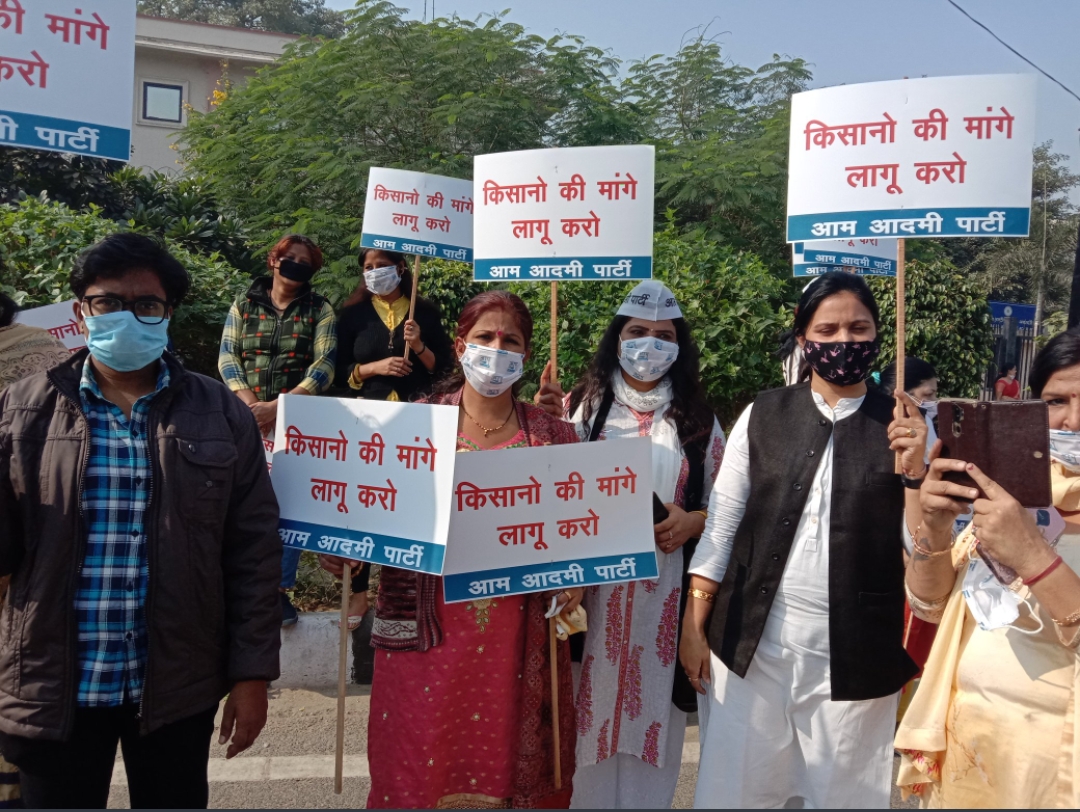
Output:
[[948, 324], [309, 17], [290, 151]]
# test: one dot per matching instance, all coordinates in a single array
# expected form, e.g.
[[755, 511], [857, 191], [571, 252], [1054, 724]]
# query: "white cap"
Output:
[[651, 300]]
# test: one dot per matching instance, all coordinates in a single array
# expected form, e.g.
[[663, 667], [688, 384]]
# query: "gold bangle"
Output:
[[355, 381], [923, 551], [702, 595], [1068, 620], [704, 514]]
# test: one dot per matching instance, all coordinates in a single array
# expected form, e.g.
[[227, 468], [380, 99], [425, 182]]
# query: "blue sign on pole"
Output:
[[1023, 313]]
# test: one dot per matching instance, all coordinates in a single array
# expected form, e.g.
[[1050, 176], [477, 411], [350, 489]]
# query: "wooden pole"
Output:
[[901, 332], [343, 662], [555, 700], [412, 297], [554, 331]]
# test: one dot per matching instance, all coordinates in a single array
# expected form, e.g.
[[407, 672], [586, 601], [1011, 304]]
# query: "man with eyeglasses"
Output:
[[139, 526]]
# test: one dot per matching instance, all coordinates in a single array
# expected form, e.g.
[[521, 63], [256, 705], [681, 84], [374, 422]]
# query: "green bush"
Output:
[[39, 242], [948, 324]]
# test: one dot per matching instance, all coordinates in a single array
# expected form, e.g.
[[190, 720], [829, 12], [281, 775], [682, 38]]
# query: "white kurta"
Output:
[[775, 738], [630, 736]]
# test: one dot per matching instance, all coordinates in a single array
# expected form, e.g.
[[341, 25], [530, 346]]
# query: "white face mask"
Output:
[[992, 604], [382, 281], [930, 407], [1065, 448], [489, 371], [647, 359]]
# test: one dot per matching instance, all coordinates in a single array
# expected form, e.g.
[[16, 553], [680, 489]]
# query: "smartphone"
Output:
[[659, 512], [1008, 440]]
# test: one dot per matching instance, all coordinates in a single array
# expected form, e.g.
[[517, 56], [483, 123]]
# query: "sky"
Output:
[[846, 41]]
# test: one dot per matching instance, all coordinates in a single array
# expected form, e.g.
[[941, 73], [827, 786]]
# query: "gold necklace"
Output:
[[484, 428]]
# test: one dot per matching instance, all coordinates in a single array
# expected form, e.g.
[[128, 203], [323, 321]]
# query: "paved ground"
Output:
[[273, 775]]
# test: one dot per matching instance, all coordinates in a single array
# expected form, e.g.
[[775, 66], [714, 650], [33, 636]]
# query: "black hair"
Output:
[[120, 254], [830, 284], [8, 309], [1061, 351], [362, 294], [916, 372], [689, 411]]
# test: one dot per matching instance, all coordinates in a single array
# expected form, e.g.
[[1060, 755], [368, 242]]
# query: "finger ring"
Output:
[[670, 535], [911, 433], [568, 597], [695, 679]]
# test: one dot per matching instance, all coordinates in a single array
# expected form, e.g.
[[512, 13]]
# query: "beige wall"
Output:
[[190, 55]]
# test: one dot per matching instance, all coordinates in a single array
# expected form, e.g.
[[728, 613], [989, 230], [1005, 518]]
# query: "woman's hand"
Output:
[[942, 501], [550, 396], [694, 655], [265, 415], [1007, 530], [393, 367], [678, 528], [335, 565], [907, 436], [569, 599], [412, 336]]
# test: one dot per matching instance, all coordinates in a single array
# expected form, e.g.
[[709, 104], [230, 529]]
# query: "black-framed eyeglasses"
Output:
[[148, 309]]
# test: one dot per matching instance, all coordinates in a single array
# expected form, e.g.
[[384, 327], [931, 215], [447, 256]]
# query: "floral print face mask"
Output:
[[844, 363]]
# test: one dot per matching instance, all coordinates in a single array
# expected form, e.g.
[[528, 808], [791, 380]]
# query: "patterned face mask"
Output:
[[844, 363]]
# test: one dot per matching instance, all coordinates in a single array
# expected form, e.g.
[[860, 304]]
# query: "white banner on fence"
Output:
[[866, 257], [943, 157], [417, 213], [58, 319], [564, 214], [67, 68], [532, 519], [365, 479]]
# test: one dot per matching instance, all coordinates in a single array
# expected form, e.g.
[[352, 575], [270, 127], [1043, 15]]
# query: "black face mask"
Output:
[[295, 271]]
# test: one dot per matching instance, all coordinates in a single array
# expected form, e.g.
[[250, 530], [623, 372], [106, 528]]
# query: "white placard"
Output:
[[564, 214], [364, 479], [866, 257], [943, 157], [66, 72], [417, 213], [533, 519], [58, 319]]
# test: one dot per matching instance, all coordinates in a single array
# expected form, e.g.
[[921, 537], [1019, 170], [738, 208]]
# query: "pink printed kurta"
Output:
[[631, 653]]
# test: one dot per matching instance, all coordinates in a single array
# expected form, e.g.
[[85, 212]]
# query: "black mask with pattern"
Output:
[[844, 363]]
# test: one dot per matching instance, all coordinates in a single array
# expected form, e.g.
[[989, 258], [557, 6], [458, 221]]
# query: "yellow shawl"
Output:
[[921, 737]]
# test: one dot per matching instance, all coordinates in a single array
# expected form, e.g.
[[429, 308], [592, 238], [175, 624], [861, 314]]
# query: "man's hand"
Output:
[[244, 716]]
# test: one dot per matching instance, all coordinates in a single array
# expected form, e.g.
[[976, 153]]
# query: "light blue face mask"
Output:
[[122, 342]]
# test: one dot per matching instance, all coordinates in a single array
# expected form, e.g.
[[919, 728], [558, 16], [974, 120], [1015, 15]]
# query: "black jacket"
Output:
[[866, 569], [363, 338]]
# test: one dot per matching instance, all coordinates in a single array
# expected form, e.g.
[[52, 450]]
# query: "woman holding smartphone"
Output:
[[794, 629], [633, 697]]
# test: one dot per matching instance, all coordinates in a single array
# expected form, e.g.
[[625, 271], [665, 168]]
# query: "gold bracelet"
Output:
[[355, 381], [1069, 620], [702, 595], [923, 551], [704, 514]]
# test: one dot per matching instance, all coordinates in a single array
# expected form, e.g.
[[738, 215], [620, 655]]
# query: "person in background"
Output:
[[373, 331], [25, 350], [1007, 386], [794, 629], [280, 339], [995, 721], [643, 381], [139, 527], [461, 712]]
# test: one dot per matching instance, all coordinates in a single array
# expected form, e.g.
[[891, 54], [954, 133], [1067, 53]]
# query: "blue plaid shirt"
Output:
[[110, 603]]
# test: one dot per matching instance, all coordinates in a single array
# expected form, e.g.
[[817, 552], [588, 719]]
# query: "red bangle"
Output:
[[1044, 573]]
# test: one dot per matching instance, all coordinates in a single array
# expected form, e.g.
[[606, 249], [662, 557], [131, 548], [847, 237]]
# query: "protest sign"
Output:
[[58, 319], [364, 479], [561, 516], [66, 72], [942, 157], [417, 213], [866, 257], [580, 213]]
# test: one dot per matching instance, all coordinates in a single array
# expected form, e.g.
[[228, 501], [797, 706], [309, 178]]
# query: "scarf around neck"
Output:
[[643, 402]]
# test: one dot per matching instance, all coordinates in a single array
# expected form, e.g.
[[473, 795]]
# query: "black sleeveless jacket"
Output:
[[787, 436]]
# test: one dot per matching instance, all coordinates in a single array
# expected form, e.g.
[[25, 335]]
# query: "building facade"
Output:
[[178, 66]]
